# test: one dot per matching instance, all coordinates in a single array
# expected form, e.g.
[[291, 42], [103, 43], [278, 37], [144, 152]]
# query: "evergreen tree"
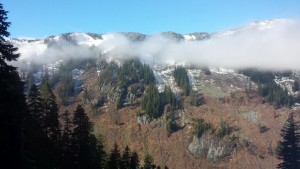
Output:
[[50, 122], [169, 96], [34, 138], [151, 102], [50, 110], [126, 157], [288, 149], [67, 154], [134, 161], [149, 77], [12, 100], [148, 162], [85, 146], [66, 88], [67, 125], [114, 161], [101, 154], [182, 79]]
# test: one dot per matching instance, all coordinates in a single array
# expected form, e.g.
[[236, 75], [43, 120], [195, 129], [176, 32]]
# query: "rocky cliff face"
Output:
[[211, 147]]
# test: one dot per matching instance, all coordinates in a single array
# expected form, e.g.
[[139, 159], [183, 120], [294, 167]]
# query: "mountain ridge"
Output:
[[255, 24]]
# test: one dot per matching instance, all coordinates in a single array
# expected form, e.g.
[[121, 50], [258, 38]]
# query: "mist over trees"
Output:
[[267, 88]]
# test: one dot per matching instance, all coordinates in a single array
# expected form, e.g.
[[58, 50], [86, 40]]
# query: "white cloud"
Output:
[[265, 45]]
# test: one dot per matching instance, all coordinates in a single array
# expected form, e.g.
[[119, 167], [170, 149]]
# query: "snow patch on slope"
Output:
[[164, 76], [85, 39], [30, 48], [286, 83], [189, 37]]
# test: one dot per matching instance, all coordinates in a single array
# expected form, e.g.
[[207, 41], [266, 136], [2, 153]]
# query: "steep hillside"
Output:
[[252, 124]]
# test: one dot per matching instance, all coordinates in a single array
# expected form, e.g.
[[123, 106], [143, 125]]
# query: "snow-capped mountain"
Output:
[[38, 47], [116, 46], [254, 26]]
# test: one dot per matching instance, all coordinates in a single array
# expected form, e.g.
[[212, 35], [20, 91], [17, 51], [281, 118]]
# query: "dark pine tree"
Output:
[[151, 102], [66, 146], [84, 144], [170, 97], [126, 158], [51, 121], [66, 84], [148, 162], [182, 79], [134, 161], [51, 125], [288, 149], [12, 100], [114, 161], [35, 140]]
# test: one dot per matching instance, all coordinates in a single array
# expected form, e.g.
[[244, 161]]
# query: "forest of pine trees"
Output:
[[182, 80], [267, 87], [132, 71], [151, 102]]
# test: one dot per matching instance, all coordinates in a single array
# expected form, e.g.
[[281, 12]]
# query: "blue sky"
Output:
[[40, 18]]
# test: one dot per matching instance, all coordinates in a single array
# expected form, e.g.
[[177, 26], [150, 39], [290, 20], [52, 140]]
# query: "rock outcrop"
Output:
[[211, 147]]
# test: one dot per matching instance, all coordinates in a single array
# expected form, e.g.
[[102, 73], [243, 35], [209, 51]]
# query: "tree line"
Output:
[[131, 71], [267, 87], [182, 79]]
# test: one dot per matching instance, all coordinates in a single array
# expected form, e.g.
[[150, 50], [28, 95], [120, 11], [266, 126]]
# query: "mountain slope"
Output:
[[112, 94]]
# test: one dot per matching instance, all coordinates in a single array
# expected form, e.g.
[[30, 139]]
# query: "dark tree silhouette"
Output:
[[66, 146], [288, 149], [126, 158], [12, 100], [35, 140], [51, 125], [134, 161], [148, 162], [114, 161], [85, 147], [51, 122]]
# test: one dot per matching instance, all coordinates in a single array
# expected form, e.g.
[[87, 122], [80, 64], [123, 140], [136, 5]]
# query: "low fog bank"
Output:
[[272, 46]]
